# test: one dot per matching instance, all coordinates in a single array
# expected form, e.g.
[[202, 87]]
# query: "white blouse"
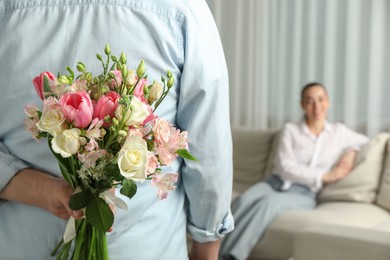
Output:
[[304, 158]]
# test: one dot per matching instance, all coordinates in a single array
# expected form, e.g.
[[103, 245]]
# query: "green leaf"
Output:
[[99, 214], [46, 86], [71, 72], [113, 170], [129, 188], [186, 154], [80, 200]]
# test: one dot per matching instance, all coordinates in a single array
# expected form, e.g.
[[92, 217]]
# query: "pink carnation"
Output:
[[168, 140], [152, 163]]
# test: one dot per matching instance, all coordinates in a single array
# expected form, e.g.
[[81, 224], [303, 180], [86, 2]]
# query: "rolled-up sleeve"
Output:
[[203, 111], [9, 165]]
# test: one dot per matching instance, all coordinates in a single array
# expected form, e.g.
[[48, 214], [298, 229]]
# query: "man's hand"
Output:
[[39, 189]]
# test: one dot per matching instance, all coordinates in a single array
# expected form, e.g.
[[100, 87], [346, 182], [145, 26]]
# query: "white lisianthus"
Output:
[[133, 157], [67, 142], [155, 92], [131, 78], [135, 115]]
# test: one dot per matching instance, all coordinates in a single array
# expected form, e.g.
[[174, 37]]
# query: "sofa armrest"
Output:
[[332, 242]]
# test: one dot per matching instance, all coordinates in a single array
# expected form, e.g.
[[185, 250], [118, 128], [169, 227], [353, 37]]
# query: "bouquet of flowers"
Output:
[[104, 133]]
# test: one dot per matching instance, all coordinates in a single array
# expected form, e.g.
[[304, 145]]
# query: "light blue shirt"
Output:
[[179, 35]]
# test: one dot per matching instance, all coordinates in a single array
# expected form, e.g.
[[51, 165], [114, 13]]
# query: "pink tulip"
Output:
[[39, 82], [106, 105], [77, 108]]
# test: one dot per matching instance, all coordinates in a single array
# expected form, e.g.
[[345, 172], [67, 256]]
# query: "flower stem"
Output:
[[54, 252]]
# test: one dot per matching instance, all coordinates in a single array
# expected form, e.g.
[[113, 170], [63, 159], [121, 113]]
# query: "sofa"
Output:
[[352, 218]]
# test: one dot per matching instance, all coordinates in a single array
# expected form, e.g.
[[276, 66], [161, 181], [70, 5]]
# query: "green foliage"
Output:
[[186, 154], [113, 170], [99, 214], [46, 86], [80, 200], [129, 188]]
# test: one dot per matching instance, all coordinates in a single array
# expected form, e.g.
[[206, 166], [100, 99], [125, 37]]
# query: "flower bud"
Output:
[[88, 76], [107, 49], [114, 59], [122, 133], [169, 74], [170, 82], [111, 75], [80, 67], [115, 121], [123, 58], [124, 70], [64, 80], [99, 57], [102, 132], [107, 119], [141, 69]]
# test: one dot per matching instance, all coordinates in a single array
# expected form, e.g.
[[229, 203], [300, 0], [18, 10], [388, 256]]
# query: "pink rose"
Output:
[[39, 82], [106, 105], [77, 108]]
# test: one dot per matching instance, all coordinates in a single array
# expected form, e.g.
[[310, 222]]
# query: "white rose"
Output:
[[67, 142], [52, 121], [135, 115], [132, 160]]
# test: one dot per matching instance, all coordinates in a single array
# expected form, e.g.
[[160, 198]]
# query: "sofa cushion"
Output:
[[251, 154], [278, 239], [383, 198], [341, 243], [362, 183]]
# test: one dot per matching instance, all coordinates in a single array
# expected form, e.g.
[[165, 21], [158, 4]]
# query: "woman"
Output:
[[310, 154]]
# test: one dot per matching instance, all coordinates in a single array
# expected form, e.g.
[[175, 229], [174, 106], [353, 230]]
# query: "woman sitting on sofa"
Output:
[[311, 153]]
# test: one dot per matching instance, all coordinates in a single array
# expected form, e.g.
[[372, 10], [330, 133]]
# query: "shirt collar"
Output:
[[305, 129]]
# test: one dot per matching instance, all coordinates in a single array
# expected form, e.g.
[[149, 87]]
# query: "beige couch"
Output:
[[352, 219]]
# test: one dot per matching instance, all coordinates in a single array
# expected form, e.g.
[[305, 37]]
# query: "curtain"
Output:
[[274, 47]]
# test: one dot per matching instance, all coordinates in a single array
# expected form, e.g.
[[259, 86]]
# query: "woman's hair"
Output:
[[312, 84]]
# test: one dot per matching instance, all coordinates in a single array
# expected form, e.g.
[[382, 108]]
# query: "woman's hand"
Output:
[[204, 251], [342, 169]]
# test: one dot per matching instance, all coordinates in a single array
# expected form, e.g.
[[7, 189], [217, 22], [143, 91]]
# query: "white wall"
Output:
[[274, 47]]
